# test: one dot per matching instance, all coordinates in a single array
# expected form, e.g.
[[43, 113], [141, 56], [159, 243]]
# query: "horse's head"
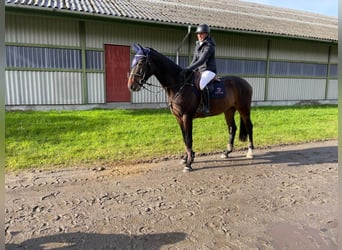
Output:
[[141, 68]]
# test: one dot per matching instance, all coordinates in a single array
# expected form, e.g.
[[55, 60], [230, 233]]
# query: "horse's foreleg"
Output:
[[229, 115], [187, 136]]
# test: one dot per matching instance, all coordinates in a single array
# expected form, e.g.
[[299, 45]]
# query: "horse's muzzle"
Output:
[[133, 85]]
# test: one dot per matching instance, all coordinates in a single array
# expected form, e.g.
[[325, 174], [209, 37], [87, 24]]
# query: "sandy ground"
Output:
[[284, 198]]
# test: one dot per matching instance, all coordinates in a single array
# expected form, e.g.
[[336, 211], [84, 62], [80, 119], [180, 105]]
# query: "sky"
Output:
[[324, 7]]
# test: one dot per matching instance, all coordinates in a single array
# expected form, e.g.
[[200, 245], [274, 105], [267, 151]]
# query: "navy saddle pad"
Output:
[[217, 89]]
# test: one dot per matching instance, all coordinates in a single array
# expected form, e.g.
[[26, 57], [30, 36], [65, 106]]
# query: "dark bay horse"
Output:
[[184, 98]]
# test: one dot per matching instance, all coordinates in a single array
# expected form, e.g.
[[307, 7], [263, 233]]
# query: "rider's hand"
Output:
[[184, 74]]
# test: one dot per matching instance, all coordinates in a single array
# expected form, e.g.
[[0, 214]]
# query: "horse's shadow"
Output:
[[93, 241], [293, 158]]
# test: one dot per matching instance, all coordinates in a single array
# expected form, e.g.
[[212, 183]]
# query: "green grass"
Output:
[[63, 138]]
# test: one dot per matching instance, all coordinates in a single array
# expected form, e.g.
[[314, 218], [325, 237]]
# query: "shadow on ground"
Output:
[[89, 241], [293, 158]]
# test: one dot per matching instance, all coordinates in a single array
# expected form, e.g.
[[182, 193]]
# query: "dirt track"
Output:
[[285, 198]]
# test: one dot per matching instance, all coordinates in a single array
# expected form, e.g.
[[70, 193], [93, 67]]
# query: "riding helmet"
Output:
[[203, 28]]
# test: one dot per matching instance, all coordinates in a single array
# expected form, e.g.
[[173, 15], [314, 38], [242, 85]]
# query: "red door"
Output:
[[117, 59]]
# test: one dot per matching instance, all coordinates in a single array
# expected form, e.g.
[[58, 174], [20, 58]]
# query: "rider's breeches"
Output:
[[206, 77]]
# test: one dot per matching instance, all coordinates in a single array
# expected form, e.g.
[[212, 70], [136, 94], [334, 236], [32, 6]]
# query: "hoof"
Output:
[[187, 169], [250, 154], [224, 156]]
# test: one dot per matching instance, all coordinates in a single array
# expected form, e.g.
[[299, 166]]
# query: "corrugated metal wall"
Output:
[[296, 89], [41, 30], [38, 86], [332, 90], [239, 46], [161, 39], [292, 50], [96, 88]]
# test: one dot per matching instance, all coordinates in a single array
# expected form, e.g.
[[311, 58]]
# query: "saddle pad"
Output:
[[217, 90]]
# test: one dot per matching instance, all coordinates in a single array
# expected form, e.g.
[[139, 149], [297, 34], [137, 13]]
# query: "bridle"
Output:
[[142, 69], [144, 62]]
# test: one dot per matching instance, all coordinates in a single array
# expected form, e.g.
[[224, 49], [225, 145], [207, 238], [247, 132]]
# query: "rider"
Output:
[[204, 62]]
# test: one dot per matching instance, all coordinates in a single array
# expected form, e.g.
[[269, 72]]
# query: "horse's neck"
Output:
[[166, 72]]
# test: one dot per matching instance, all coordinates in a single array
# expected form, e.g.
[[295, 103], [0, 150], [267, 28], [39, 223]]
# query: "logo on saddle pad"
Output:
[[216, 89]]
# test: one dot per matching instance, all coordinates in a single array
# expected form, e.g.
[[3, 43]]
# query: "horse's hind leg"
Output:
[[246, 128], [229, 115]]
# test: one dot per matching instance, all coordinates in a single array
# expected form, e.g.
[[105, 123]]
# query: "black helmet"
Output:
[[203, 28]]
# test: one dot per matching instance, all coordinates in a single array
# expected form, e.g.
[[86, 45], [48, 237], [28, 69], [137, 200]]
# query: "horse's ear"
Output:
[[136, 47]]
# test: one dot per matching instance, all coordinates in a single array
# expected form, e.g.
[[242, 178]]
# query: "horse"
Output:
[[184, 98]]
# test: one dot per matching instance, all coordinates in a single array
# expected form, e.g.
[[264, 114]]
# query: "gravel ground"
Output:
[[284, 198]]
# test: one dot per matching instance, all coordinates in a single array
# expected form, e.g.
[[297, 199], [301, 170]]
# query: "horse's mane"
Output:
[[168, 62]]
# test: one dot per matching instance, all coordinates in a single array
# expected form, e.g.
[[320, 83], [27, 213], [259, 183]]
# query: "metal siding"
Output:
[[258, 85], [332, 91], [98, 33], [43, 88], [280, 89], [34, 87], [334, 54], [162, 39], [298, 51], [41, 30], [154, 94], [240, 46], [96, 90]]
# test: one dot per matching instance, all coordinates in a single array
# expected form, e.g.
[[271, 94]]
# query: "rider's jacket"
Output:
[[204, 56]]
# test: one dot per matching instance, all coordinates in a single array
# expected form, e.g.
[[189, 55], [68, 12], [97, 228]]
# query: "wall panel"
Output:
[[332, 90], [162, 39], [258, 85], [154, 94], [41, 30], [334, 54], [293, 50], [43, 88], [280, 89], [96, 87], [240, 46]]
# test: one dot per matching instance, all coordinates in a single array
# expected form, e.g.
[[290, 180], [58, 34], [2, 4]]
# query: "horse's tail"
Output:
[[243, 131]]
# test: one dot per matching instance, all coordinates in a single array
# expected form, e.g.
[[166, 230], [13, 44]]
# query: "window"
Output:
[[46, 58], [333, 70], [94, 60], [241, 67], [297, 69]]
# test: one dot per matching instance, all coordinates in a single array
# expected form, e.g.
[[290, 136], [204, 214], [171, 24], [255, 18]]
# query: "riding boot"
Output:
[[205, 100]]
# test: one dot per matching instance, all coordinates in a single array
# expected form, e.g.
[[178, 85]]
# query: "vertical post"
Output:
[[267, 69], [82, 32], [181, 44], [328, 75]]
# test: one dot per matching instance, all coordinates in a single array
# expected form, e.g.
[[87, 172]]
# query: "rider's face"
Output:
[[201, 36]]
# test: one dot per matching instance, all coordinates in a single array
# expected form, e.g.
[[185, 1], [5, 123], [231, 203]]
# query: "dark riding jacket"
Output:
[[204, 56]]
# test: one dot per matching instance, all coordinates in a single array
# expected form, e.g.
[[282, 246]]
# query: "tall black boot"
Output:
[[205, 100]]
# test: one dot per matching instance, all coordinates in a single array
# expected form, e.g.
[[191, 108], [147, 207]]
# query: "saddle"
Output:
[[215, 86]]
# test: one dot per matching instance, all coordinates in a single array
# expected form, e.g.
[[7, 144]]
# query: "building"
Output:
[[76, 54]]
